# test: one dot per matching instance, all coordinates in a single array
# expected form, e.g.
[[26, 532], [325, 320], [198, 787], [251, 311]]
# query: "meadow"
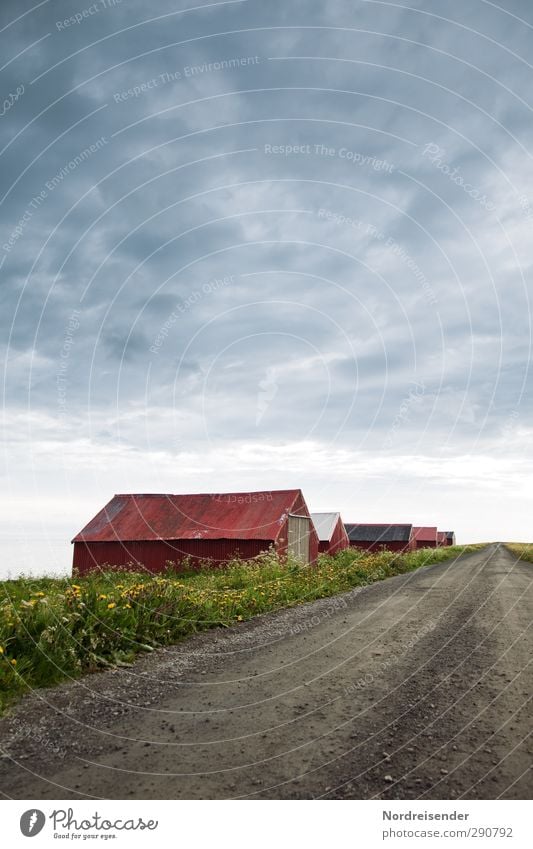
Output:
[[523, 550], [54, 629]]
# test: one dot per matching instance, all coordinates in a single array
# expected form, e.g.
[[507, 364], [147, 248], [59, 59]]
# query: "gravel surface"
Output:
[[416, 687]]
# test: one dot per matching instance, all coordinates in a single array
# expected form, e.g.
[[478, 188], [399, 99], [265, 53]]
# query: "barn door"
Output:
[[298, 537]]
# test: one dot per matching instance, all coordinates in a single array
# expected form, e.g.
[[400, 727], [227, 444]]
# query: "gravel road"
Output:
[[417, 687]]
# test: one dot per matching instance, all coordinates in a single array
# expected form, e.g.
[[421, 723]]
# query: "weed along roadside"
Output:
[[54, 629], [522, 550]]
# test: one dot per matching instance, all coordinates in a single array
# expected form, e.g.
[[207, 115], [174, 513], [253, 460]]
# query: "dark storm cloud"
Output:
[[354, 169]]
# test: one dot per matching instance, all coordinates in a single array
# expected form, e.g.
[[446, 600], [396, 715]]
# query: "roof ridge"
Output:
[[198, 494]]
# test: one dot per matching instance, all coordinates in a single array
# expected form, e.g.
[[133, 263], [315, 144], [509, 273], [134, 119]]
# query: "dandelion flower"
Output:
[[102, 596], [111, 605], [13, 662], [1, 649]]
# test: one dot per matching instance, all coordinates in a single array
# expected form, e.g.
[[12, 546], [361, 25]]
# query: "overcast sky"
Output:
[[257, 245]]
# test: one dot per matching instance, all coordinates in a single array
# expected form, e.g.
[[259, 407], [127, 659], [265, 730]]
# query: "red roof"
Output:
[[231, 515], [429, 534]]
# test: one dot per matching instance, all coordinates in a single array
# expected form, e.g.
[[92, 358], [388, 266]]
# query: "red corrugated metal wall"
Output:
[[338, 542], [154, 554], [339, 539], [377, 546]]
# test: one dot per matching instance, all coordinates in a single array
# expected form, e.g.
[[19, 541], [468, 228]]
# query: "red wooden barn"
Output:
[[151, 530], [332, 536], [441, 539], [377, 537], [425, 537], [450, 537]]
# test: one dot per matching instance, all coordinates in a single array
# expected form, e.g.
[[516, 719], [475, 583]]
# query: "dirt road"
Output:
[[416, 687]]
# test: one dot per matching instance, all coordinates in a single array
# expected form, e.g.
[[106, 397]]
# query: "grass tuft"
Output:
[[522, 550]]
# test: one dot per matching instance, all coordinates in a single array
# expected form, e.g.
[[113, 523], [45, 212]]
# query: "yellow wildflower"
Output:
[[101, 597], [1, 649], [13, 662], [111, 605]]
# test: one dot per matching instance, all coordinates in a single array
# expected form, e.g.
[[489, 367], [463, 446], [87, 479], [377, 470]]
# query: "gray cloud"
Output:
[[287, 148]]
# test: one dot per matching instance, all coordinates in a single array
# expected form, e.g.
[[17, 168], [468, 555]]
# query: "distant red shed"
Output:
[[425, 537], [441, 539], [332, 536], [151, 530], [450, 537], [378, 537]]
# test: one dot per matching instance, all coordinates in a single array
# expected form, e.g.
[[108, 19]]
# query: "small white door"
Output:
[[298, 537]]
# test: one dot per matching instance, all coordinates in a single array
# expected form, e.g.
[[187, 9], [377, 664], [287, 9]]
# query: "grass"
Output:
[[523, 550], [52, 629]]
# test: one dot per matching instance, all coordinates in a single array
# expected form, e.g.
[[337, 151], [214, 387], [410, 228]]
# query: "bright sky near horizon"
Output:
[[268, 245]]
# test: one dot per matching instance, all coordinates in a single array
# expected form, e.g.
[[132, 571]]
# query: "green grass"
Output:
[[523, 550], [52, 629]]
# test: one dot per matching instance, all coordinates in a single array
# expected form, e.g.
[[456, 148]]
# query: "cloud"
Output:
[[291, 161]]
